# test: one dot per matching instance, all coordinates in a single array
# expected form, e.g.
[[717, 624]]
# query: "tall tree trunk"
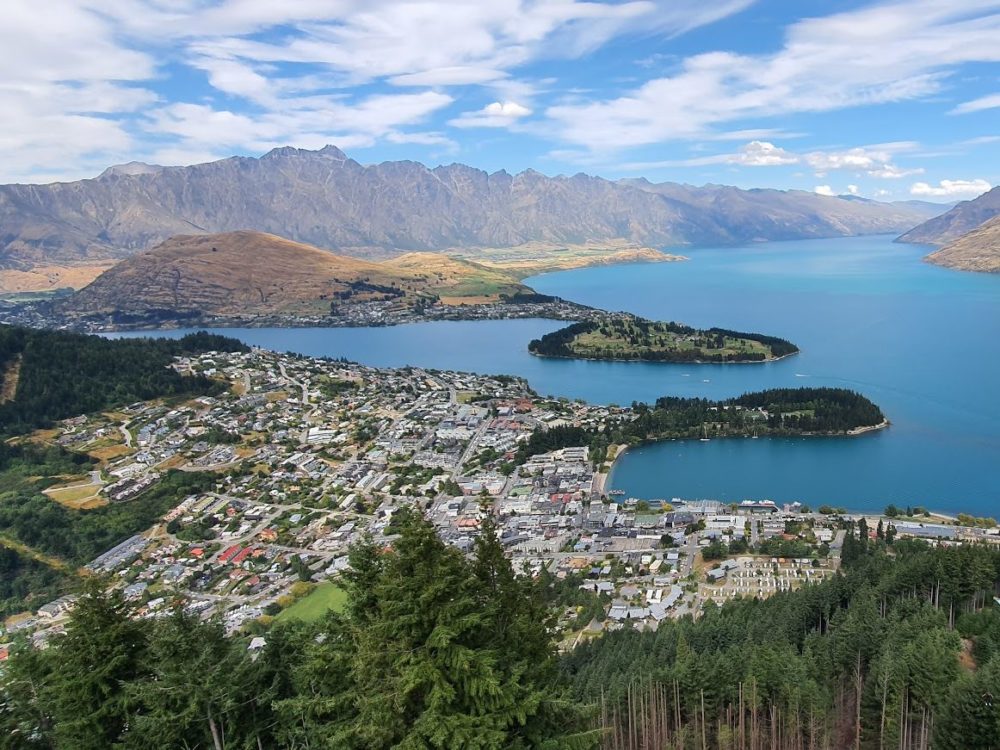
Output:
[[858, 685], [216, 735]]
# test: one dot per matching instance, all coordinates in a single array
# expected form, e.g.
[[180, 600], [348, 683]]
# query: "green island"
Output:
[[774, 412], [628, 337]]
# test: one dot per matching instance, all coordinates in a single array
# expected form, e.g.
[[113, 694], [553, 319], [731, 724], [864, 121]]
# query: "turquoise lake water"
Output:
[[921, 341]]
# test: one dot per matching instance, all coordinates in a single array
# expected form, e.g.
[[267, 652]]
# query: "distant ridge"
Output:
[[963, 218], [328, 200]]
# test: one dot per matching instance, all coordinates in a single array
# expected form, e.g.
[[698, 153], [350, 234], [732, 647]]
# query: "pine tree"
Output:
[[102, 650], [192, 693]]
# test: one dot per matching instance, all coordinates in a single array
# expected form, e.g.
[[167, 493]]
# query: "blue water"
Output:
[[921, 341]]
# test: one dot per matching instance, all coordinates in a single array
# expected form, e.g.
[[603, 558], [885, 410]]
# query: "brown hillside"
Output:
[[978, 250], [247, 273]]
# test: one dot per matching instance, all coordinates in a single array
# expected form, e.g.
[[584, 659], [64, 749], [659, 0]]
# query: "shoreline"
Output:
[[855, 432], [668, 362]]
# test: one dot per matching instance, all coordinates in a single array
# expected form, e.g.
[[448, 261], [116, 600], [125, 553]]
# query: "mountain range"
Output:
[[328, 200]]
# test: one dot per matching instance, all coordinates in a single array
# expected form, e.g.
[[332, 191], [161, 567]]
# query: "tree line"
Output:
[[65, 374], [870, 658]]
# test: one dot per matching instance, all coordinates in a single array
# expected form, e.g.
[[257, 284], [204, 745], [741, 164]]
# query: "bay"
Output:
[[921, 341]]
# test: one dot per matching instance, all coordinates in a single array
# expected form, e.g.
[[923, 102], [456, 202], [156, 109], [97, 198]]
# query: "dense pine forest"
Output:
[[898, 652], [53, 375], [438, 650]]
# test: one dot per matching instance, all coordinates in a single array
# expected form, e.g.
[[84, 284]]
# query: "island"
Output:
[[621, 336]]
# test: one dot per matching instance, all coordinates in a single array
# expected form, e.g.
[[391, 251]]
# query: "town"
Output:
[[41, 313], [309, 456]]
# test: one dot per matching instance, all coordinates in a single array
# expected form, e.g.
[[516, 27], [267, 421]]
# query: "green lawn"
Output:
[[324, 597]]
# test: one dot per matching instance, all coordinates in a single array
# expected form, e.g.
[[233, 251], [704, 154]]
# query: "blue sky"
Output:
[[889, 100]]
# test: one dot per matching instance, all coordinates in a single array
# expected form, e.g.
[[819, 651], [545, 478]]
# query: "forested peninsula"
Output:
[[628, 337], [774, 412]]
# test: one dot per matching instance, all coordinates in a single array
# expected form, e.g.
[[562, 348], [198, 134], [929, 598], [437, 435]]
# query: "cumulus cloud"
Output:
[[951, 189], [852, 189], [763, 154], [823, 190], [493, 115]]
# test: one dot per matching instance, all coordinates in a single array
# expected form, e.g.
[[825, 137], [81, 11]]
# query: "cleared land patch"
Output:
[[325, 597]]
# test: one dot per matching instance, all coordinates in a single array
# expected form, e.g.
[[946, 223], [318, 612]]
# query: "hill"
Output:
[[963, 218], [326, 199], [240, 273], [978, 250]]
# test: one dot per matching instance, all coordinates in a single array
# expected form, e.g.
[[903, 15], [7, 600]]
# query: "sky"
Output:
[[886, 100]]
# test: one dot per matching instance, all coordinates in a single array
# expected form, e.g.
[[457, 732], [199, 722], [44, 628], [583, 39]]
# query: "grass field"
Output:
[[323, 598]]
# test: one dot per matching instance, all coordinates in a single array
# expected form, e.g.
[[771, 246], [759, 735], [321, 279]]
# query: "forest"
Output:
[[633, 338], [898, 651], [901, 649], [62, 374], [26, 584]]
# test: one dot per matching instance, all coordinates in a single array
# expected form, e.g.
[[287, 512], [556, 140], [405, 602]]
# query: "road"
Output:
[[293, 381]]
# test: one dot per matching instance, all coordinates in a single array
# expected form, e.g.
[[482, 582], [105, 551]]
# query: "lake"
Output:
[[922, 342]]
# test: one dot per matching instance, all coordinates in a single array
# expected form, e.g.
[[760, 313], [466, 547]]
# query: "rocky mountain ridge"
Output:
[[328, 200]]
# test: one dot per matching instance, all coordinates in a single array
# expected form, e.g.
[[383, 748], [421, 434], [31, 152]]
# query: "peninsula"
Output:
[[777, 412], [622, 336]]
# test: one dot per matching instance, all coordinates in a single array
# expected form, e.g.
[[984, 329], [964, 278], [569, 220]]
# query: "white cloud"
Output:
[[888, 52], [874, 161], [309, 122], [823, 190], [951, 189], [852, 189], [277, 70], [763, 154], [493, 115], [977, 105]]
